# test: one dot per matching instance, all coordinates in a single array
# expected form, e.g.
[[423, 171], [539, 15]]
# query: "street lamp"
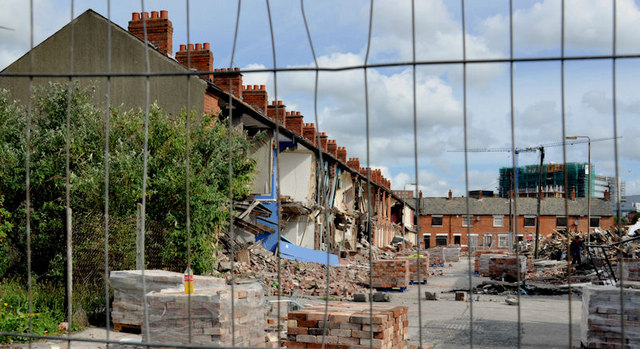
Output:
[[589, 184]]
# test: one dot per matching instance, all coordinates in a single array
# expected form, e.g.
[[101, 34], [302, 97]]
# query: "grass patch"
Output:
[[48, 309]]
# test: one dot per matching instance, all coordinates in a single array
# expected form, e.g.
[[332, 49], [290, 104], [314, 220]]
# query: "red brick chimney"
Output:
[[607, 195], [222, 81], [342, 154], [309, 133], [450, 195], [354, 163], [573, 194], [332, 148], [294, 122], [420, 194], [282, 111], [479, 194], [201, 58], [159, 29], [256, 96], [323, 141]]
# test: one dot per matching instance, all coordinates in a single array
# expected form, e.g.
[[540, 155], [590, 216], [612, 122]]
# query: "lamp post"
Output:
[[589, 184]]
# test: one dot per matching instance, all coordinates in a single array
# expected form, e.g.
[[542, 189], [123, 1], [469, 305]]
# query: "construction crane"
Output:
[[539, 148]]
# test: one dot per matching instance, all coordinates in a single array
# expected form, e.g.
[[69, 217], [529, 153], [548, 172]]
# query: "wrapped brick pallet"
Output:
[[127, 308], [413, 267], [600, 326], [451, 254], [631, 269], [349, 325], [436, 257], [390, 273], [507, 266], [484, 262], [210, 316]]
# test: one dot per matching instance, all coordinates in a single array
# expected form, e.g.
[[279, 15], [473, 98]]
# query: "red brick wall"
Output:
[[159, 29], [281, 110], [211, 104], [452, 224], [342, 154], [309, 133], [332, 147], [354, 163]]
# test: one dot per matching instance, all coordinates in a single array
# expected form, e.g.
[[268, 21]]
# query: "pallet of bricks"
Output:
[[210, 316], [436, 257], [348, 325], [602, 313], [127, 308], [483, 259], [413, 267], [507, 267], [631, 269], [451, 254], [390, 274]]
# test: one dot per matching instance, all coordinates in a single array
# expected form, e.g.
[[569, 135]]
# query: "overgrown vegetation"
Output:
[[165, 195]]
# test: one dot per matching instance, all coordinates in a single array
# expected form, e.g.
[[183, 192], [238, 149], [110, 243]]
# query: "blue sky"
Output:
[[339, 31]]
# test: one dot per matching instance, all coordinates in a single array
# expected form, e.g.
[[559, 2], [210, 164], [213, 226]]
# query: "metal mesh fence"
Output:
[[107, 241]]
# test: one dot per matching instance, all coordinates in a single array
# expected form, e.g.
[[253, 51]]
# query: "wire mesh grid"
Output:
[[92, 265]]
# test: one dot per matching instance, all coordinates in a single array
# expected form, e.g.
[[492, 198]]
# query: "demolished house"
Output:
[[318, 191]]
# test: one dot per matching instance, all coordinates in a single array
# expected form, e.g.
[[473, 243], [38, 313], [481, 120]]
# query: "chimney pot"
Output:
[[190, 47], [479, 194], [256, 87], [607, 195], [450, 194], [262, 87], [198, 47], [145, 15], [206, 46], [236, 69], [164, 14], [135, 16], [155, 14], [279, 102], [183, 47]]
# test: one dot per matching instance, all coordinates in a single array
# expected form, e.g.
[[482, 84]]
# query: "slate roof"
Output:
[[526, 206]]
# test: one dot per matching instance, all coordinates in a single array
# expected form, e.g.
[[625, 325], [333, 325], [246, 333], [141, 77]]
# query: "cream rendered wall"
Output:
[[296, 175]]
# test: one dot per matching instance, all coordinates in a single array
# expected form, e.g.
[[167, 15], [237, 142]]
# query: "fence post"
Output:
[[69, 268], [139, 238]]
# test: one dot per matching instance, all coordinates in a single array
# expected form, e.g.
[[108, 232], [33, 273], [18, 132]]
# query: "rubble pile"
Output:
[[211, 321], [349, 325], [127, 308], [601, 315], [304, 278]]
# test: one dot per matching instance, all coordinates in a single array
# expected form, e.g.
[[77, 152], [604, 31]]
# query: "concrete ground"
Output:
[[446, 323]]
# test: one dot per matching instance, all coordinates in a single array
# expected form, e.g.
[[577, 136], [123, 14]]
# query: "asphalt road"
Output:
[[489, 322]]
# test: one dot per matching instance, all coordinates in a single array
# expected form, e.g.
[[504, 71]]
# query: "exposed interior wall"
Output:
[[261, 152], [300, 231], [345, 195], [296, 175]]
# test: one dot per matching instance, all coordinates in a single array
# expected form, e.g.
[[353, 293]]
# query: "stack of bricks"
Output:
[[451, 254], [211, 321], [349, 325], [413, 267], [436, 257], [631, 269], [483, 262], [601, 316], [390, 273], [479, 253], [127, 308], [507, 267]]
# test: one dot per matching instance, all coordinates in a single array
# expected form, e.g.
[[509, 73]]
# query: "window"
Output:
[[436, 221], [503, 240], [594, 222], [441, 240], [427, 240], [456, 239], [529, 221], [498, 221], [487, 240], [467, 221], [561, 221]]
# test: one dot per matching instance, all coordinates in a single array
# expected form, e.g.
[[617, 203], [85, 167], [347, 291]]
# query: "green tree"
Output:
[[166, 197]]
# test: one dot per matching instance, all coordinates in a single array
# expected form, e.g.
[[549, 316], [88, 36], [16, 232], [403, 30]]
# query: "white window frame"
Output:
[[500, 218], [525, 220], [488, 239], [599, 222], [503, 240], [466, 220], [438, 216]]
